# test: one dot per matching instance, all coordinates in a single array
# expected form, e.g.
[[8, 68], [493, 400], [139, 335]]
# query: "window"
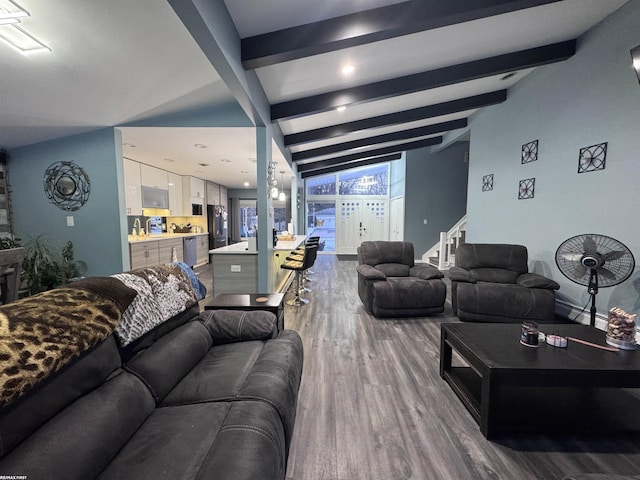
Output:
[[372, 180], [322, 185]]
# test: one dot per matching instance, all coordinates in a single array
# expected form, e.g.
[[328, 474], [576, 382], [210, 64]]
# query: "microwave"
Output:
[[154, 197], [196, 209]]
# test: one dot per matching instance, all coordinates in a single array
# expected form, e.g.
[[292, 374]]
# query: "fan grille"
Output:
[[617, 260]]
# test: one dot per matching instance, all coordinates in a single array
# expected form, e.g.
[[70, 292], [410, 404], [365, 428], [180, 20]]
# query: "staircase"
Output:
[[443, 253]]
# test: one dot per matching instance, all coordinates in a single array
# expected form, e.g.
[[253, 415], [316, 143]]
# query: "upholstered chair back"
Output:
[[386, 254], [498, 263]]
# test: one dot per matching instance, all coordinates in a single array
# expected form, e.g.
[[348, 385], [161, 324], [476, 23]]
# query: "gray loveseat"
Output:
[[207, 395], [391, 284], [492, 283]]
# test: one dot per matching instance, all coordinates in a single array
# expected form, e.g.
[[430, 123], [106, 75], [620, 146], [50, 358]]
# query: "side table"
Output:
[[271, 302]]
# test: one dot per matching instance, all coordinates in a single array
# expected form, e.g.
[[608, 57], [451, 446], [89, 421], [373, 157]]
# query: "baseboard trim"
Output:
[[573, 312]]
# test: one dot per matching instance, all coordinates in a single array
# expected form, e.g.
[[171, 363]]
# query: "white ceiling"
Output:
[[119, 61]]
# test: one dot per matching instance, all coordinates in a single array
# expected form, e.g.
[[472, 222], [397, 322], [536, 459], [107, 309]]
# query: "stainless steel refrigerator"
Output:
[[217, 228]]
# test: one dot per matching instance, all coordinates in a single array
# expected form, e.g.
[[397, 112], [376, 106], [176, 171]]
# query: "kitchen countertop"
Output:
[[241, 247], [162, 236]]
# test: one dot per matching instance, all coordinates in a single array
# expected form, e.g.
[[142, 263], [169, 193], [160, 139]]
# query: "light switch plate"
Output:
[[236, 268], [70, 221]]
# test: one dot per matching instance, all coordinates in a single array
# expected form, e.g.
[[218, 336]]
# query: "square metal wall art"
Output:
[[530, 152], [487, 182], [526, 189], [592, 158]]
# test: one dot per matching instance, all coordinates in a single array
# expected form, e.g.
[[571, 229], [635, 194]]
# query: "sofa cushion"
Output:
[[534, 280], [267, 371], [41, 334], [494, 275], [407, 292], [181, 348], [226, 326], [21, 419], [481, 255], [225, 441], [79, 442], [502, 302], [374, 253], [393, 269]]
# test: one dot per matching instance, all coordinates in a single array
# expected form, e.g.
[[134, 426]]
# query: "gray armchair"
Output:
[[492, 283], [390, 284]]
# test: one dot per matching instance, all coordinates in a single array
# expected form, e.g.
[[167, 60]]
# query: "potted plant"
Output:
[[44, 268], [11, 256]]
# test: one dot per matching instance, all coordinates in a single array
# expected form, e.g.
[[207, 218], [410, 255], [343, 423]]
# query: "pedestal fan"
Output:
[[594, 260]]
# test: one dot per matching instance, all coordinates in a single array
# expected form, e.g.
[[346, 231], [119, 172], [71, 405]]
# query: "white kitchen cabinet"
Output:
[[224, 201], [176, 202], [197, 187], [153, 177], [193, 194], [213, 193], [132, 182]]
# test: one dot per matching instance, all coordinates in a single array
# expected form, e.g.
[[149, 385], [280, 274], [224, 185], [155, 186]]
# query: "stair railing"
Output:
[[444, 247]]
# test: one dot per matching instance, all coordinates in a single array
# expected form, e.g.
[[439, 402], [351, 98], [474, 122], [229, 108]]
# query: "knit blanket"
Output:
[[41, 334], [163, 292]]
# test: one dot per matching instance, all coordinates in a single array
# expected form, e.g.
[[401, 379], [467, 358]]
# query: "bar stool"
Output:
[[300, 249], [299, 266]]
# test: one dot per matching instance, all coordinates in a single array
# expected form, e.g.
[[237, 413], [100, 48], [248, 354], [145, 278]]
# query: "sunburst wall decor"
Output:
[[66, 185]]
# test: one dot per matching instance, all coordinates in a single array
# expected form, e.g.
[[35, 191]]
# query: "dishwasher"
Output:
[[190, 254]]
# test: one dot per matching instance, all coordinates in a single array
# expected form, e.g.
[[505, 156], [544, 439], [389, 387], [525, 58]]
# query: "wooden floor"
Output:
[[373, 406]]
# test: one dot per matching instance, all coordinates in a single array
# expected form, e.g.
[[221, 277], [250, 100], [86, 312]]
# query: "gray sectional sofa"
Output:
[[200, 395]]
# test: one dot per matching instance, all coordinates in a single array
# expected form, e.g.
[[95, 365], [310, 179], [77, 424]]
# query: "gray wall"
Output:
[[591, 98], [96, 236], [435, 189]]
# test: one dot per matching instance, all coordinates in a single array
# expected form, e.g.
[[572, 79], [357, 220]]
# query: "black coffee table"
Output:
[[508, 386]]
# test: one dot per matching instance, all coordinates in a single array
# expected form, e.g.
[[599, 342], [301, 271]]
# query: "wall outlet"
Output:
[[424, 221], [70, 221], [236, 268]]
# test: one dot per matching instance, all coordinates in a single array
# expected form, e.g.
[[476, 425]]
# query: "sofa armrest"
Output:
[[458, 274], [228, 326], [534, 280], [370, 273], [425, 272]]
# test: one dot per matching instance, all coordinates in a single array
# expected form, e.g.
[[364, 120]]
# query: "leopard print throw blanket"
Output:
[[163, 292], [41, 334]]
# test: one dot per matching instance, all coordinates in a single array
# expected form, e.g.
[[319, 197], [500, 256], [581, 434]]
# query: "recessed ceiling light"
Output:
[[130, 145], [253, 160], [348, 69], [203, 164], [341, 108], [509, 75], [225, 160], [170, 160], [246, 184], [199, 171], [199, 145], [244, 171]]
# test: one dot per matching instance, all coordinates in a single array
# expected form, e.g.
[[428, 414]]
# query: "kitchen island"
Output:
[[235, 267]]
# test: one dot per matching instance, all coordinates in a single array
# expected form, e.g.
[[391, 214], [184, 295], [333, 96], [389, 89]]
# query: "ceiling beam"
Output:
[[422, 81], [415, 114], [346, 166], [427, 142], [389, 137], [370, 26]]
